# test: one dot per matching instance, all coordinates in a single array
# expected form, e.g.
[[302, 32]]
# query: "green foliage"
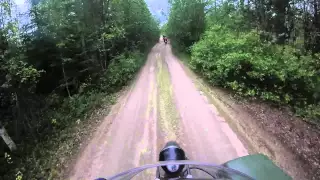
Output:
[[78, 105], [20, 73], [69, 126], [242, 62], [164, 29], [121, 70], [57, 68], [186, 22], [261, 49]]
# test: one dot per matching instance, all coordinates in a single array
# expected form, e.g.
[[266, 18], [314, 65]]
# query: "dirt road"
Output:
[[163, 104]]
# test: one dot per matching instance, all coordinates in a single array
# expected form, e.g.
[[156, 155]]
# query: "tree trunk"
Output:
[[241, 5], [316, 24], [105, 19], [17, 119], [1, 18], [7, 139], [83, 45], [305, 27], [215, 6], [65, 77]]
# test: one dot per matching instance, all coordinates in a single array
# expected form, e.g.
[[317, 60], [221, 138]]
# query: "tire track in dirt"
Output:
[[168, 115], [206, 136], [129, 139], [162, 105]]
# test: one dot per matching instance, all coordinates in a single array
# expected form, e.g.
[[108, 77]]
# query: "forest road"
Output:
[[162, 104]]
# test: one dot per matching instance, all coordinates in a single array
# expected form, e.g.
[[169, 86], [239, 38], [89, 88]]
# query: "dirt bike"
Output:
[[165, 39], [174, 164]]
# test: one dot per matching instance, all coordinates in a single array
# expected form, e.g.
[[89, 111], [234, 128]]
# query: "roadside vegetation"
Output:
[[265, 49], [58, 62]]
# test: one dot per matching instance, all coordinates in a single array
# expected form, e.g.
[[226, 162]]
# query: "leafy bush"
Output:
[[64, 113], [52, 74], [121, 70], [240, 61], [67, 127]]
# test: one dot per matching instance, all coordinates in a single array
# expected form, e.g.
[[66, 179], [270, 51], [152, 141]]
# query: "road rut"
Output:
[[162, 104]]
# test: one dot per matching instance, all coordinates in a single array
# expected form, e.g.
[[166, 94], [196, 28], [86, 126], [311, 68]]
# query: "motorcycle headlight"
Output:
[[173, 168], [172, 152]]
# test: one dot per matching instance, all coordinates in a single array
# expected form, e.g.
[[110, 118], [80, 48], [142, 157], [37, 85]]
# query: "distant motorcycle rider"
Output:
[[165, 39]]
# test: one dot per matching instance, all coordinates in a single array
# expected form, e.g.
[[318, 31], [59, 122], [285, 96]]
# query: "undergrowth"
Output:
[[67, 122], [250, 67]]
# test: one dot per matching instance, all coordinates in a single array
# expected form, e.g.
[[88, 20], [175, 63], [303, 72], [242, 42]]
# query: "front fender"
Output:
[[258, 166]]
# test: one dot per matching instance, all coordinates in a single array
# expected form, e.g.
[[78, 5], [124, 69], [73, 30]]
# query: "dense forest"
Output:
[[56, 67], [69, 54], [264, 49]]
